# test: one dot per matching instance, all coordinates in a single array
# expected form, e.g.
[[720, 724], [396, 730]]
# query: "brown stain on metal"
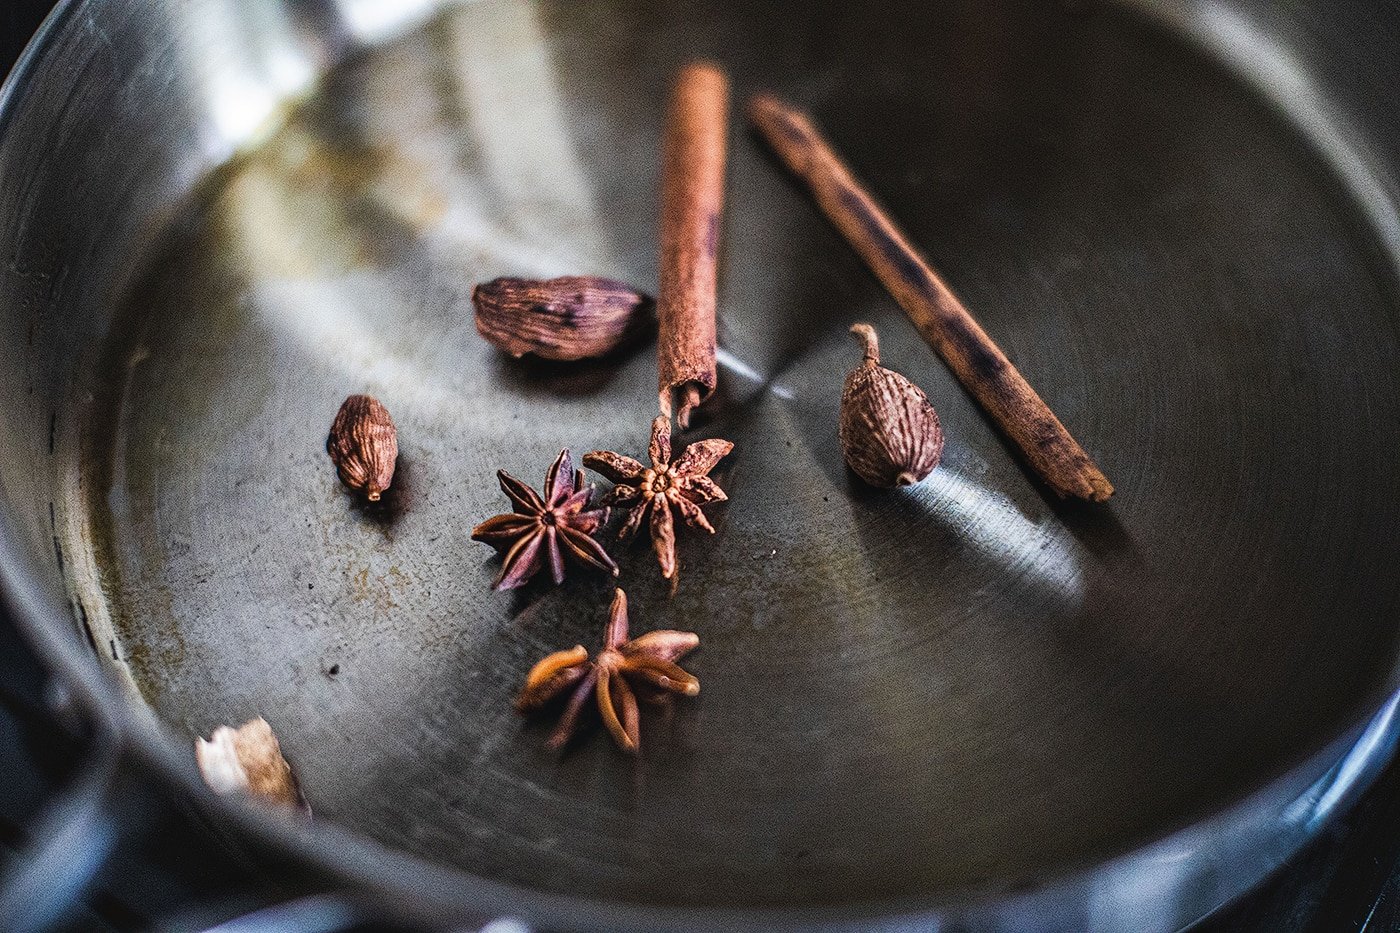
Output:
[[152, 645], [377, 591]]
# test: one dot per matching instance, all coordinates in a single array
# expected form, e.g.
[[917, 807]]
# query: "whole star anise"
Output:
[[545, 528], [682, 486], [644, 665]]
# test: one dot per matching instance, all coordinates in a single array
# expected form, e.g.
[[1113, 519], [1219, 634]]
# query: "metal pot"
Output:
[[964, 705]]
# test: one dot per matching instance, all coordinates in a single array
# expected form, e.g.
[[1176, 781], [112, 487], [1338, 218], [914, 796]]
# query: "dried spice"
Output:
[[624, 670], [682, 487], [364, 445], [545, 528], [942, 320], [692, 200], [569, 318], [890, 434], [248, 760]]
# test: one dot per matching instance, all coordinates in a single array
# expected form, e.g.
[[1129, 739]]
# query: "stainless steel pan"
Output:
[[963, 704]]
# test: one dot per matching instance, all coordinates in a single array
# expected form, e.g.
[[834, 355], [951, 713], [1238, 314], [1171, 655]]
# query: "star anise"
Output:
[[645, 665], [682, 486], [545, 528]]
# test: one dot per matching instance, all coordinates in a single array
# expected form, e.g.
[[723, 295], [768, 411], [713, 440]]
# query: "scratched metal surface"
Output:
[[904, 693]]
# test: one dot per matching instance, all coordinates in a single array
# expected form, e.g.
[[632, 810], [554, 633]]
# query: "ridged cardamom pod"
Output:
[[890, 434], [364, 446], [568, 318]]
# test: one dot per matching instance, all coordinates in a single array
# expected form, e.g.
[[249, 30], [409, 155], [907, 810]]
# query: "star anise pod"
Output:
[[625, 668], [545, 528], [682, 486]]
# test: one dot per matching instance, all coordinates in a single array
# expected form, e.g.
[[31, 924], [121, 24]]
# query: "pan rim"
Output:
[[1284, 812]]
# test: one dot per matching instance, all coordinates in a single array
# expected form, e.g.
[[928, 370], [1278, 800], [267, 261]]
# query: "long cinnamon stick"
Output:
[[937, 313], [692, 198]]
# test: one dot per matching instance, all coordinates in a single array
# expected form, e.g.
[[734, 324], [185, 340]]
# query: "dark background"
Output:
[[1348, 880], [18, 20]]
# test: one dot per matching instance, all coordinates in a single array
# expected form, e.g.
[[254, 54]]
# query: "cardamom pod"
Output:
[[568, 318], [890, 433], [364, 446]]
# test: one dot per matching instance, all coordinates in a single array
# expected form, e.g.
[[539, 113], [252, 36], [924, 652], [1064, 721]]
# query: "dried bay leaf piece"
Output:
[[248, 760]]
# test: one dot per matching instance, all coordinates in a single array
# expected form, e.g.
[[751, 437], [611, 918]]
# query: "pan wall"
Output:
[[103, 136], [112, 135]]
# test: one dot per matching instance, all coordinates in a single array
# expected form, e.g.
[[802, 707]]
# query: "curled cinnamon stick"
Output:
[[692, 198], [937, 313]]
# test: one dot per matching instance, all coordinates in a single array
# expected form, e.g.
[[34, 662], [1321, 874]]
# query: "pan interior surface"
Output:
[[905, 693]]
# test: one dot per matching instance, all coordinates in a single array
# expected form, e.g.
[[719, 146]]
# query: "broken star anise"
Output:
[[622, 670], [545, 528], [682, 486]]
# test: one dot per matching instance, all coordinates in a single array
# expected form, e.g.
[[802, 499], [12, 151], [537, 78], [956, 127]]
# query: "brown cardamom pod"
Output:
[[568, 318], [890, 434], [364, 446]]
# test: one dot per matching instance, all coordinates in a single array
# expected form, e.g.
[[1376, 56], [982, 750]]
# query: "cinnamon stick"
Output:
[[692, 198], [937, 313]]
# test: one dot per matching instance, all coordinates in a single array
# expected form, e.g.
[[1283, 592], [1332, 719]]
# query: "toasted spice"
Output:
[[692, 200], [681, 486], [364, 445], [546, 528], [624, 670], [890, 434], [248, 760], [568, 318], [940, 317]]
